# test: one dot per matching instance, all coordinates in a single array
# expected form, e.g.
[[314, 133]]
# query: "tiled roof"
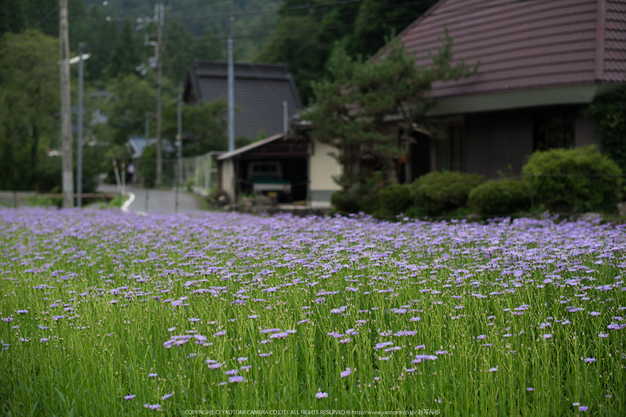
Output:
[[525, 44], [260, 90]]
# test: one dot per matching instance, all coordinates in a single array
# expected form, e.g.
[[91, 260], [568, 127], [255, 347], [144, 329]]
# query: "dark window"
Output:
[[554, 130], [450, 149]]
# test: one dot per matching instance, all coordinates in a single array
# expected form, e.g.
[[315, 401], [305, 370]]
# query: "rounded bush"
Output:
[[345, 202], [574, 180], [395, 199], [440, 192], [502, 196]]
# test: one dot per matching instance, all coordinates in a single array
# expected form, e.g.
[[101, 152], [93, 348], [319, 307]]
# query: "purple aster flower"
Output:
[[595, 313], [231, 372], [215, 365], [345, 373], [589, 360], [583, 408], [166, 396], [245, 368], [235, 379], [547, 336], [321, 395], [481, 337], [222, 333], [603, 335], [152, 375], [130, 397], [114, 301], [152, 406], [265, 355], [242, 359], [171, 329], [44, 339], [493, 369], [529, 389], [22, 311]]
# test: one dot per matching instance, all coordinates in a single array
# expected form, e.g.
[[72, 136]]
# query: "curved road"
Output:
[[158, 201]]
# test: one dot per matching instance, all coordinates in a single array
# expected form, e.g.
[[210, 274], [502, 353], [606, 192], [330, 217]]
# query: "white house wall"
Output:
[[322, 169], [228, 179]]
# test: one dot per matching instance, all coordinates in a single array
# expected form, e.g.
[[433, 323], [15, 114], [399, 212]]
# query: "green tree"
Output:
[[204, 127], [609, 113], [125, 57], [133, 96], [12, 17], [352, 107], [29, 100], [303, 52]]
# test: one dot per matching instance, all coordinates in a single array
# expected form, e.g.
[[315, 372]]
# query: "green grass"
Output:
[[100, 352]]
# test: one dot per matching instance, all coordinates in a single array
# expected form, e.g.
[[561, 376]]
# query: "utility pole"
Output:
[[231, 89], [159, 18], [66, 115], [147, 124], [179, 139], [79, 147]]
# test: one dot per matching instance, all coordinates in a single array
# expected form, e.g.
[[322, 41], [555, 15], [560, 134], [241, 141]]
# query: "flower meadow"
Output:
[[106, 313]]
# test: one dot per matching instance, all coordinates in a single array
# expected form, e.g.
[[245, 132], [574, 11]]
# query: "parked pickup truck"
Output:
[[267, 177]]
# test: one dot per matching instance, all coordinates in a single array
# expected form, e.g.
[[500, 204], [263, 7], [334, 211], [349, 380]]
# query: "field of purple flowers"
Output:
[[106, 313]]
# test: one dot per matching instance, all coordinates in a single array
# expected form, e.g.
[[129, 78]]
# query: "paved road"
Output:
[[158, 201]]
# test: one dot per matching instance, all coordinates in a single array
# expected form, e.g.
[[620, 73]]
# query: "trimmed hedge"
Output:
[[591, 181], [502, 196], [440, 192]]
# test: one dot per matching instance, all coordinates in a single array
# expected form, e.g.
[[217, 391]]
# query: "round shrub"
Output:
[[440, 192], [574, 180], [395, 199], [345, 202], [502, 196]]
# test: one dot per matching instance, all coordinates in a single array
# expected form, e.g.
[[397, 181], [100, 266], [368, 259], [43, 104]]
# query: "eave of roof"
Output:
[[250, 147]]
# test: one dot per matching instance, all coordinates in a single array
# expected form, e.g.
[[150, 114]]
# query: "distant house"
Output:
[[137, 143], [304, 163], [260, 91], [541, 62]]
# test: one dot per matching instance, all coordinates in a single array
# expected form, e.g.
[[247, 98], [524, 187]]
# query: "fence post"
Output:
[[532, 200]]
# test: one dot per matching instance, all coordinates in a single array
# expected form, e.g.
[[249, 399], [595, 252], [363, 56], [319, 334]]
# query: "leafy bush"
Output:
[[590, 180], [362, 199], [502, 196], [440, 192], [394, 199]]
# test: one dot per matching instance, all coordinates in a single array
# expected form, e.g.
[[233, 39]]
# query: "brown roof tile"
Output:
[[525, 44]]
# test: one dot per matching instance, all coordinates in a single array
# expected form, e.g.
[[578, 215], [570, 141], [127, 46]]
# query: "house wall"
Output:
[[228, 178], [322, 168], [493, 141], [583, 132]]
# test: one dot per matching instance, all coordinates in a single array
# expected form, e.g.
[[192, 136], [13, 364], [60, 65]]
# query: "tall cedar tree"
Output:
[[351, 109]]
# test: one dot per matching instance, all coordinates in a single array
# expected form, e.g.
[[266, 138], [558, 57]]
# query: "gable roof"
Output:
[[260, 90], [523, 45]]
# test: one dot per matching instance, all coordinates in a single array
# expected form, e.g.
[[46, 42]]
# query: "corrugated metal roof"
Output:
[[260, 90], [525, 44]]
